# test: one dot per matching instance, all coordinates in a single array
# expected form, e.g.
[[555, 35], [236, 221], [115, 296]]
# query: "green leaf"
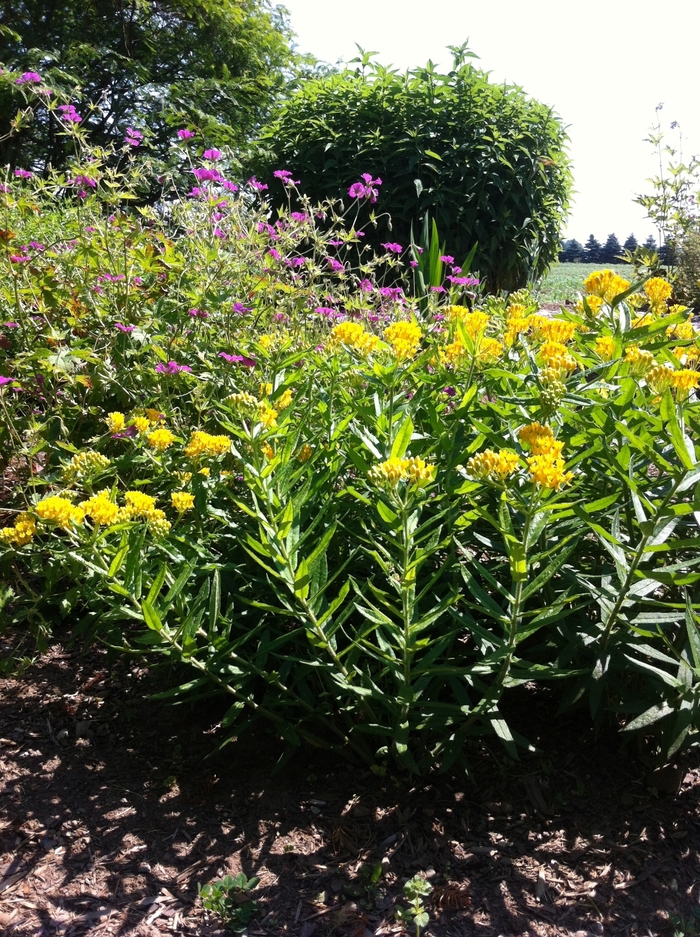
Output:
[[403, 439], [151, 616]]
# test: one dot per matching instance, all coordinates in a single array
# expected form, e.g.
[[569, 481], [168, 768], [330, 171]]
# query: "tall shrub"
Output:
[[487, 162]]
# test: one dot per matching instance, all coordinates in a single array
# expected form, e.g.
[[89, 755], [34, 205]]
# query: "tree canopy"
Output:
[[149, 64]]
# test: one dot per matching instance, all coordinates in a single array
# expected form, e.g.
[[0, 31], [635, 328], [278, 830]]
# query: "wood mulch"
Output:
[[111, 813]]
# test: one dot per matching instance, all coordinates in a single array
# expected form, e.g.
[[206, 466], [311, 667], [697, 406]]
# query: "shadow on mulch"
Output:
[[111, 814]]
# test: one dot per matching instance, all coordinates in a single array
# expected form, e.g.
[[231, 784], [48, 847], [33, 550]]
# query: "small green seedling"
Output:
[[229, 898], [415, 890]]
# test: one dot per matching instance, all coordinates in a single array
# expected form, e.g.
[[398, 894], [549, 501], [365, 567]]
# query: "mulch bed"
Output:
[[111, 813]]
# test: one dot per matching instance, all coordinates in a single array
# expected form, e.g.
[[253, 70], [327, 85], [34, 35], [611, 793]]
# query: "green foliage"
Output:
[[362, 519], [484, 161], [229, 898], [215, 66], [414, 890], [565, 281]]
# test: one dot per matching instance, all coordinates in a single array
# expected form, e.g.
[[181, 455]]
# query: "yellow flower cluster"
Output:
[[204, 444], [267, 450], [474, 322], [684, 381], [284, 400], [556, 356], [595, 304], [548, 470], [492, 465], [605, 346], [639, 360], [659, 378], [353, 335], [137, 505], [85, 463], [414, 470], [267, 415], [59, 511], [160, 439], [682, 331], [605, 284], [404, 338], [305, 453], [539, 438], [21, 533], [99, 508], [658, 292], [182, 501], [141, 423], [553, 330], [115, 421], [490, 350]]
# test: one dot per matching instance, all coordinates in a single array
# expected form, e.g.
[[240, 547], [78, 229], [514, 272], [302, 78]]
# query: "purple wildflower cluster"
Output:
[[23, 174], [172, 367], [133, 137], [185, 134], [285, 176], [69, 114], [29, 78], [238, 359], [365, 189]]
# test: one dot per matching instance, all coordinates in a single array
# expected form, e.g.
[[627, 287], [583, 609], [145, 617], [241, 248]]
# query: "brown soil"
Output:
[[110, 816]]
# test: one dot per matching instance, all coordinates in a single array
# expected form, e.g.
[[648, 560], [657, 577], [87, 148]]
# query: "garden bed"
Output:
[[111, 816]]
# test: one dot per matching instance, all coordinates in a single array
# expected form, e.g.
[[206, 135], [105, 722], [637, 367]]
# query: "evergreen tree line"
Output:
[[593, 252]]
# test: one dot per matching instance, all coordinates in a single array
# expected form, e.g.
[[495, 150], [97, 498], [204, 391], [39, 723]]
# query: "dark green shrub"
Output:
[[485, 161]]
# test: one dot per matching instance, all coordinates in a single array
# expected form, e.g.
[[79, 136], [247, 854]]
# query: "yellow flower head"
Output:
[[305, 453], [21, 533], [659, 378], [85, 463], [554, 330], [683, 331], [606, 285], [158, 524], [284, 400], [267, 415], [115, 421], [595, 304], [538, 437], [59, 510], [605, 346], [404, 338], [658, 291], [489, 464], [347, 333], [548, 470], [160, 439], [556, 356], [639, 360], [182, 501], [243, 402], [490, 350], [684, 381], [394, 470], [142, 424], [204, 444], [474, 322], [267, 450], [100, 509], [138, 504]]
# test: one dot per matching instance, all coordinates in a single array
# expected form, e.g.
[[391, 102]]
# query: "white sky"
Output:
[[603, 66]]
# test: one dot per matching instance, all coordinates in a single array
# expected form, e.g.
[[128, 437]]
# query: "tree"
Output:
[[610, 251], [631, 244], [151, 64], [591, 251], [650, 243], [484, 161], [572, 252]]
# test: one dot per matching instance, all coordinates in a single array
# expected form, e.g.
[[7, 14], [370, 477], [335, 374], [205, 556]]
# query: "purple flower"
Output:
[[296, 262], [11, 325], [133, 137], [456, 269], [124, 328], [29, 78], [463, 281], [218, 233], [229, 186], [254, 184], [275, 254], [198, 313], [185, 134], [196, 192], [213, 155], [83, 180], [414, 263], [241, 309], [137, 281], [335, 265], [299, 216], [6, 380], [446, 259], [19, 258], [393, 247], [391, 292], [450, 391], [437, 289], [285, 176], [69, 114], [128, 433], [36, 246], [202, 174], [357, 190], [366, 286], [172, 367], [238, 359], [23, 174]]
